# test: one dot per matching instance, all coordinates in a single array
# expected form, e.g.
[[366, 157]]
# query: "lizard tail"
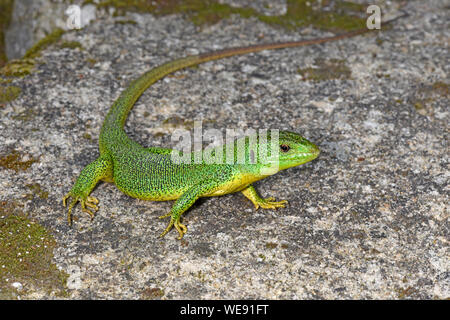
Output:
[[118, 113]]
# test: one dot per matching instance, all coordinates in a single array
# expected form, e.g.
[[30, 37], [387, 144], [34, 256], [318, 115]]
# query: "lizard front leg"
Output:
[[267, 203], [100, 169]]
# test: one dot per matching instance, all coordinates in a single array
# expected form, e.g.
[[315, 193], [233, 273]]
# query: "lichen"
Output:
[[14, 161], [152, 293], [326, 70], [441, 88], [403, 293], [271, 245]]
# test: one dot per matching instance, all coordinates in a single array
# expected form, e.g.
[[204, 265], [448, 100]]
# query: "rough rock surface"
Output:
[[367, 219]]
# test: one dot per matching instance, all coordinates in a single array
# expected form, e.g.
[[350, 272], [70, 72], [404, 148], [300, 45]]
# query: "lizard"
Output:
[[149, 173]]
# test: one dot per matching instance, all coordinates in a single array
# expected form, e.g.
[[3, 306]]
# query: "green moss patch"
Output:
[[26, 253], [17, 68], [9, 93], [330, 15], [209, 12], [50, 39], [71, 45], [24, 66], [320, 14], [125, 22], [36, 191]]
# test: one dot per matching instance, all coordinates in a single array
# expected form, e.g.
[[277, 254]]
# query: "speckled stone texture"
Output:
[[368, 219]]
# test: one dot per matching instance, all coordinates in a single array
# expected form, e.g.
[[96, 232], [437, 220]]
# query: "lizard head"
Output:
[[285, 150], [295, 150], [266, 152]]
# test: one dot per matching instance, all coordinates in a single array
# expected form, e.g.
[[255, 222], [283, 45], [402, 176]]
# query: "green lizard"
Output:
[[150, 173]]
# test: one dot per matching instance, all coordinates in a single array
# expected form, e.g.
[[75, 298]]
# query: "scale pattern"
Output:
[[149, 173]]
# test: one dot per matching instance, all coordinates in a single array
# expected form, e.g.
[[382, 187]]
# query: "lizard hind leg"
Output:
[[182, 204], [100, 169]]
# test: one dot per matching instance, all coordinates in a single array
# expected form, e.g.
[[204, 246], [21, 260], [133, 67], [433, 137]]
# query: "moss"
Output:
[[341, 16], [91, 61], [9, 93], [36, 190], [71, 45], [24, 66], [6, 8], [427, 95], [152, 293], [177, 122], [50, 39], [210, 12], [17, 68], [301, 13], [351, 6], [125, 22], [326, 70], [423, 107], [329, 15], [405, 292], [26, 253], [26, 115], [122, 6], [4, 81], [441, 88], [271, 245], [13, 161]]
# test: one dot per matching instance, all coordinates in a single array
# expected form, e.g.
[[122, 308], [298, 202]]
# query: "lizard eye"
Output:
[[284, 148]]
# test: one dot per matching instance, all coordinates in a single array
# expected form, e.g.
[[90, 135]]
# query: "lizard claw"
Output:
[[181, 228], [269, 203], [90, 202]]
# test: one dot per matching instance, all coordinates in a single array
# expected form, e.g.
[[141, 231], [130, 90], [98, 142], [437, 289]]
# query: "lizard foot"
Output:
[[181, 228], [90, 202], [269, 203]]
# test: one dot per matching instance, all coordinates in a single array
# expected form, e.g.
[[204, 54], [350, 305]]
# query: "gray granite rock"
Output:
[[368, 219]]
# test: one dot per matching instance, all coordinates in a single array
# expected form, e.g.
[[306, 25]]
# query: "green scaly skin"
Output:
[[150, 174]]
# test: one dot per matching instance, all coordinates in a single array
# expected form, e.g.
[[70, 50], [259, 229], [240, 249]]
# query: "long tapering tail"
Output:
[[118, 113]]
